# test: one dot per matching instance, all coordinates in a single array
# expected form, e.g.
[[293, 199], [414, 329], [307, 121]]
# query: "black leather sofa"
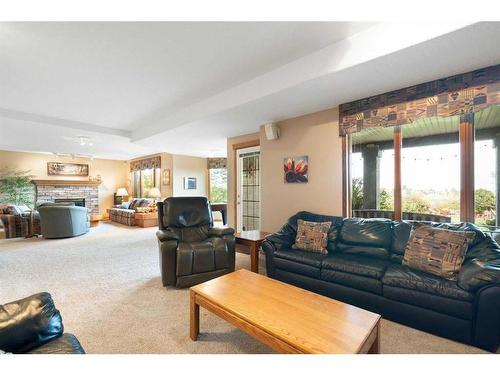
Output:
[[191, 249], [363, 267], [33, 325]]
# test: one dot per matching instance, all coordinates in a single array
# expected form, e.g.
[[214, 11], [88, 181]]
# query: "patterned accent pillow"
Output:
[[134, 204], [437, 251], [312, 236]]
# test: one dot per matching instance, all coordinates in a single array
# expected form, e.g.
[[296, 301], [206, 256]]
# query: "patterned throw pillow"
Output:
[[437, 251], [312, 236]]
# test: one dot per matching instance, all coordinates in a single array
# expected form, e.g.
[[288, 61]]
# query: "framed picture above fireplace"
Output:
[[67, 169]]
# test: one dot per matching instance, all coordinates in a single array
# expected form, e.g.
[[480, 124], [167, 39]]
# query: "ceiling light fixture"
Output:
[[84, 140]]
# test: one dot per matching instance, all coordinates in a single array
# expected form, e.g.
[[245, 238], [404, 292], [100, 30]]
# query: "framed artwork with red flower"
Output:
[[296, 168]]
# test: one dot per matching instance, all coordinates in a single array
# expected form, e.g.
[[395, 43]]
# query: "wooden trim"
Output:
[[398, 203], [65, 183], [247, 144], [466, 135]]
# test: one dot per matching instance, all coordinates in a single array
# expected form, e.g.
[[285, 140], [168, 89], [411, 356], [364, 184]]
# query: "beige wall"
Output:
[[189, 166], [231, 174], [314, 135], [114, 173]]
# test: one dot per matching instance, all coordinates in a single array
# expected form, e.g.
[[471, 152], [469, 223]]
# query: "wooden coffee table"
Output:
[[284, 317], [253, 239]]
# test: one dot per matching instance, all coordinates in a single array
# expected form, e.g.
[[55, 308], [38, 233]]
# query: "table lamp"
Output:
[[120, 193], [154, 193]]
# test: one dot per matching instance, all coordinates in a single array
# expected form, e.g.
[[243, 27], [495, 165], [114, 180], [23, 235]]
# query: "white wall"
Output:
[[189, 166]]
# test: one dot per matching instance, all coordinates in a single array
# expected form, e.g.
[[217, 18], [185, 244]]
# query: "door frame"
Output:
[[236, 147]]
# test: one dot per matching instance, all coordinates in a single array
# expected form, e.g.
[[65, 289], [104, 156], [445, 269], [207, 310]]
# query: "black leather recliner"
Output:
[[191, 249], [33, 325], [364, 267]]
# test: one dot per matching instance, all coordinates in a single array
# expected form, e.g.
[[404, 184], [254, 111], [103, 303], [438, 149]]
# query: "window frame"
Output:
[[466, 144]]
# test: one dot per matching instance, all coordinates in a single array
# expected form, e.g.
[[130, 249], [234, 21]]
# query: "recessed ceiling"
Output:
[[140, 88]]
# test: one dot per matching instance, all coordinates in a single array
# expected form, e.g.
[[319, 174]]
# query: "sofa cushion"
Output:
[[358, 265], [300, 256], [296, 267], [368, 284], [454, 307], [403, 277], [368, 232], [437, 251], [401, 231], [366, 237], [372, 251], [312, 236], [200, 257], [65, 344]]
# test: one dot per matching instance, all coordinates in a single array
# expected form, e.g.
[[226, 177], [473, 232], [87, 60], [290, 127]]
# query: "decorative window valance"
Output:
[[214, 163], [455, 95], [147, 163]]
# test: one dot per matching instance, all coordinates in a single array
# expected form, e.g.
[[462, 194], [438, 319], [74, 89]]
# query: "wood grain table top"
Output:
[[251, 235], [307, 321]]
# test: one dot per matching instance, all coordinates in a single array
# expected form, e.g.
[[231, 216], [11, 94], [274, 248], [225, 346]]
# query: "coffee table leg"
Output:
[[194, 317], [375, 349], [254, 257]]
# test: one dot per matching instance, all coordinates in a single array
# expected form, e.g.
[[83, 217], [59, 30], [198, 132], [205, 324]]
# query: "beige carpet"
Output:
[[106, 285]]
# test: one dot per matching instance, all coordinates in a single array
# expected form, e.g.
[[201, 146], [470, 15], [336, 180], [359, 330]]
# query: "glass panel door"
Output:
[[248, 190]]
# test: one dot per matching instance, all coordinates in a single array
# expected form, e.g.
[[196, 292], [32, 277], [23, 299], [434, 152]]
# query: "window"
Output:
[[430, 169], [486, 162], [435, 169], [372, 173], [218, 185], [144, 180]]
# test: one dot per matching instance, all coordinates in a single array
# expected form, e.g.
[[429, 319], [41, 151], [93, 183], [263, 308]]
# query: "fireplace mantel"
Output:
[[66, 182]]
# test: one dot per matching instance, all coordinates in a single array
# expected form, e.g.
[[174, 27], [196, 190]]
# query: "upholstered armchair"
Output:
[[191, 249]]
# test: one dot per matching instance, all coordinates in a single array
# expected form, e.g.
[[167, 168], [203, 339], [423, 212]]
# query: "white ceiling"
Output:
[[140, 88]]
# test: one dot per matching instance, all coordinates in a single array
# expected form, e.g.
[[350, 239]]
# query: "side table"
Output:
[[146, 220], [253, 239], [2, 231]]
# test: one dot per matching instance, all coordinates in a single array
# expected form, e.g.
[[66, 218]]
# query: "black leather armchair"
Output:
[[33, 325], [191, 249]]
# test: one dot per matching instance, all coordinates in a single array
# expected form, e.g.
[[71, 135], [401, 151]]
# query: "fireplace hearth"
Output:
[[77, 201]]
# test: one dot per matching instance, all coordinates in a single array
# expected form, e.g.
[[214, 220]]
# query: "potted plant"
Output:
[[16, 187]]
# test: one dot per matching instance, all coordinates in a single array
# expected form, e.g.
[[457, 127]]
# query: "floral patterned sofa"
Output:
[[125, 213], [19, 221]]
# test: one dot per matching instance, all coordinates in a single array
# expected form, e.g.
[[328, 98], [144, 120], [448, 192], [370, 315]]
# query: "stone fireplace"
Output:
[[86, 192]]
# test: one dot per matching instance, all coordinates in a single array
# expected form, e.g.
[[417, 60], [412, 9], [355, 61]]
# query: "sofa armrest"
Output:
[[284, 238], [484, 269], [167, 235], [220, 232], [486, 333], [28, 323], [476, 274]]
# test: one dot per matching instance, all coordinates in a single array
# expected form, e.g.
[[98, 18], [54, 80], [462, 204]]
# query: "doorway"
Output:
[[248, 189]]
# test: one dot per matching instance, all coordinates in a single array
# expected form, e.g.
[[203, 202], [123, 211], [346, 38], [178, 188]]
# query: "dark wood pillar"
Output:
[[346, 176], [371, 176], [496, 143], [398, 203], [466, 132]]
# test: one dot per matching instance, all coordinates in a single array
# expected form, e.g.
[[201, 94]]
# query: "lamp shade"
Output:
[[154, 193], [122, 192]]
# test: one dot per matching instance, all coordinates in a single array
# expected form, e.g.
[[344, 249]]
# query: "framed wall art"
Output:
[[296, 169], [67, 169]]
